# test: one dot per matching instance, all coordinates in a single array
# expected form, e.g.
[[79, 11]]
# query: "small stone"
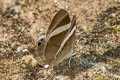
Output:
[[46, 66], [19, 49], [55, 1], [25, 50], [14, 46]]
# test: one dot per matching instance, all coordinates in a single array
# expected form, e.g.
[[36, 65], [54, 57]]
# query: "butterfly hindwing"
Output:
[[67, 43]]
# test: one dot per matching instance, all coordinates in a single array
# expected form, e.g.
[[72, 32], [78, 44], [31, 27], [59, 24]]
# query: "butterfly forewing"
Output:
[[60, 19]]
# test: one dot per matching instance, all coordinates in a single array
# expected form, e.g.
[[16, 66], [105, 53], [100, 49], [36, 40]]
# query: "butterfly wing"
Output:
[[67, 44], [56, 33], [60, 19]]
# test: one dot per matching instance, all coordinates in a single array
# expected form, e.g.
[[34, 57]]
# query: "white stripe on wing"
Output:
[[59, 30], [66, 39]]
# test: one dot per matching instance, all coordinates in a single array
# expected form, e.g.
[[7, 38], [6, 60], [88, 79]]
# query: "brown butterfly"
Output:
[[59, 41]]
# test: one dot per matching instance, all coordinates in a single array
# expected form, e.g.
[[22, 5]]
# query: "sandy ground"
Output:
[[97, 43]]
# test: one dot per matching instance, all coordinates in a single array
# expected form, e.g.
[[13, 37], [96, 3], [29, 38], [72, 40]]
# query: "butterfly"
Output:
[[58, 43]]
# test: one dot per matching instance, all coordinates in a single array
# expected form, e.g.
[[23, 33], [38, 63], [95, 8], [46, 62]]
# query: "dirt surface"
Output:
[[97, 43]]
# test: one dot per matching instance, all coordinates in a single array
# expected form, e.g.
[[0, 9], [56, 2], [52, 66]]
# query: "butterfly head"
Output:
[[40, 50]]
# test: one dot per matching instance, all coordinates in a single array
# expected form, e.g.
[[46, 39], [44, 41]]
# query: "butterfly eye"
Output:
[[39, 43], [40, 39]]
